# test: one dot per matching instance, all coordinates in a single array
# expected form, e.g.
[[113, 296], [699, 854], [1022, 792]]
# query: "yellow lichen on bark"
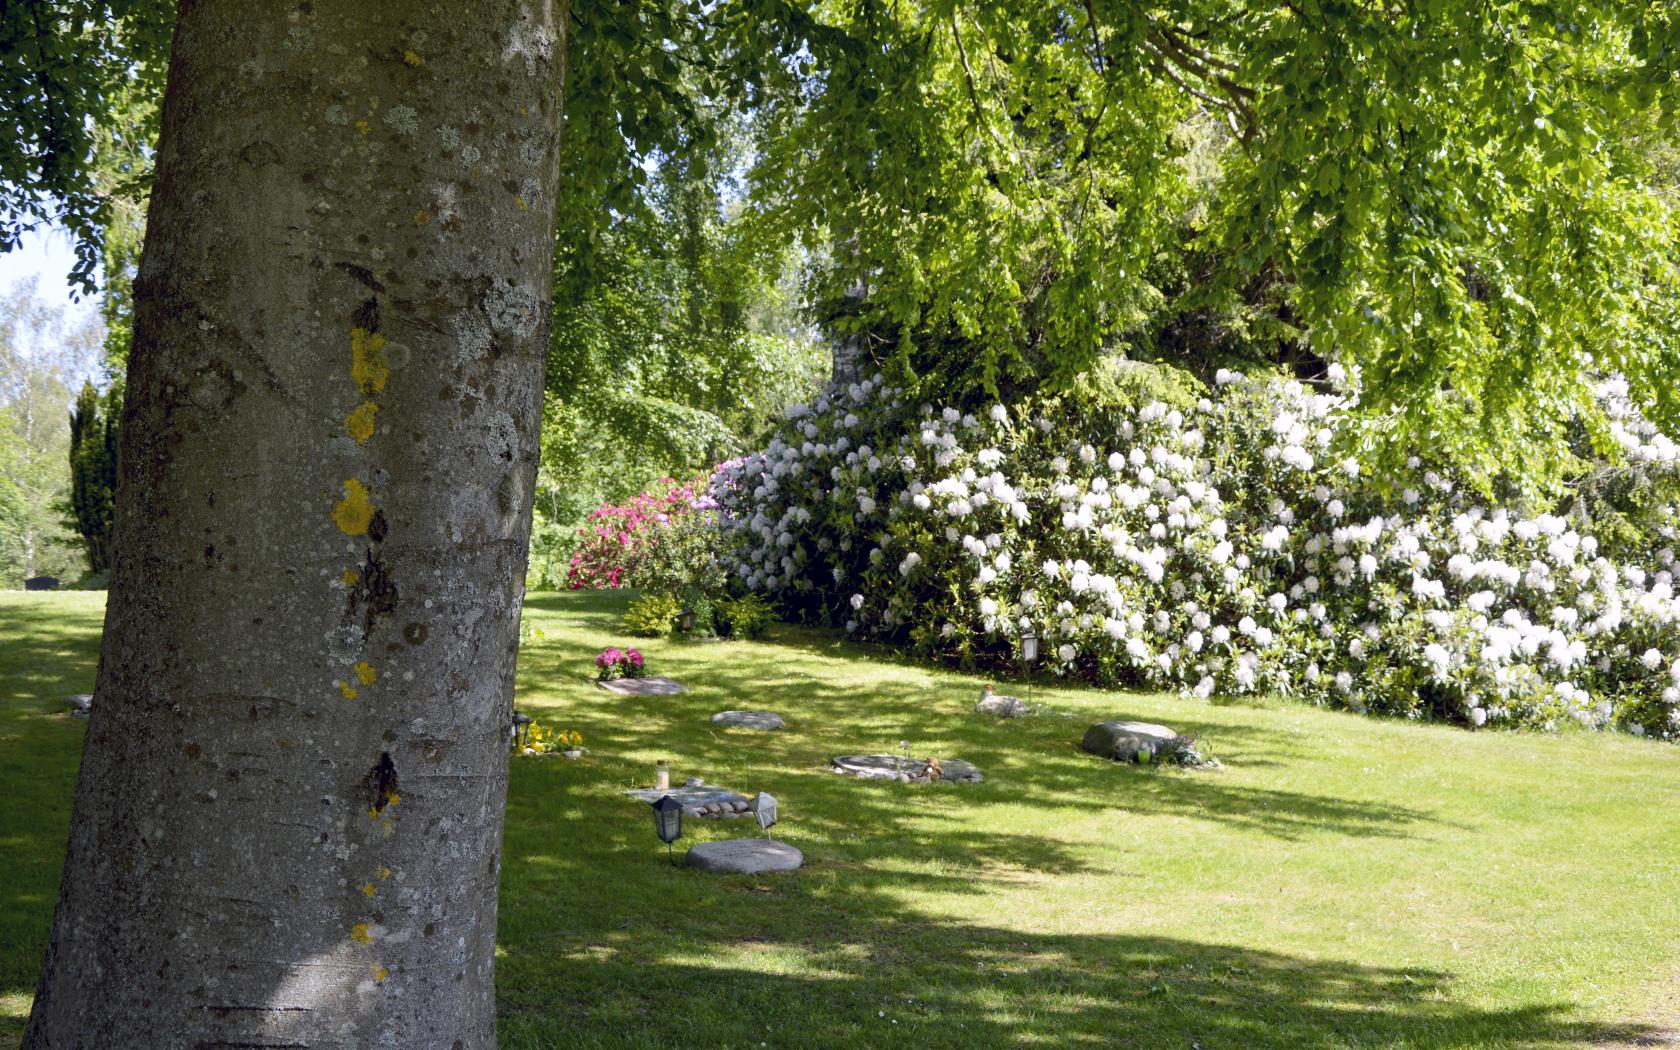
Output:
[[354, 512], [346, 690], [367, 360], [350, 577], [365, 672], [359, 932], [359, 423]]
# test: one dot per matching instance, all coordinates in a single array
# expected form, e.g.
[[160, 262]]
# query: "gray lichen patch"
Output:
[[402, 120]]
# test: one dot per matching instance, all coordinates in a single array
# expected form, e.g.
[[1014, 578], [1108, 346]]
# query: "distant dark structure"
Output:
[[41, 583]]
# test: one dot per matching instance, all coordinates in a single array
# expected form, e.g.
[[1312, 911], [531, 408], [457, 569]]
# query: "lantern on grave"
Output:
[[764, 808], [1029, 647], [685, 621], [519, 731], [667, 822]]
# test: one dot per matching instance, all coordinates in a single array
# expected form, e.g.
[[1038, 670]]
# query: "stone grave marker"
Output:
[[999, 706], [703, 801], [745, 856], [762, 720], [650, 686], [896, 767]]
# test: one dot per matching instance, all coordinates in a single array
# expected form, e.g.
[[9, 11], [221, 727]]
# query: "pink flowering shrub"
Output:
[[616, 538], [614, 662]]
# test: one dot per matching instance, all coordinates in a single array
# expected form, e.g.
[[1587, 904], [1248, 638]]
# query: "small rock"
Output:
[[744, 856], [1123, 740]]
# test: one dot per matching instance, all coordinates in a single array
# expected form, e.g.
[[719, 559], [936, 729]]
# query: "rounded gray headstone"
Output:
[[749, 719], [1123, 740], [744, 856]]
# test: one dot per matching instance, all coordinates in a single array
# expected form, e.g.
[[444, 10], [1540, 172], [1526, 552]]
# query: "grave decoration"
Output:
[[531, 738], [667, 823], [613, 663], [764, 808]]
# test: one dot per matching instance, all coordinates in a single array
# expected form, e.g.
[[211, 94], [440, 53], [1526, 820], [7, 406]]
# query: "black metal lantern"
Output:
[[685, 621], [1029, 647], [520, 731], [667, 822]]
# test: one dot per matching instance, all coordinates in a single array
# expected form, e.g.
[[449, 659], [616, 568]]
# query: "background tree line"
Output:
[[1471, 208]]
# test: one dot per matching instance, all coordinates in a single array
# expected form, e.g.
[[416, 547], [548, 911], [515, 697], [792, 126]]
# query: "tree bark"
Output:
[[287, 826]]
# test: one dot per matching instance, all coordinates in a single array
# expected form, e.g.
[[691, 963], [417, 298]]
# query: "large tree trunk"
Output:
[[287, 826]]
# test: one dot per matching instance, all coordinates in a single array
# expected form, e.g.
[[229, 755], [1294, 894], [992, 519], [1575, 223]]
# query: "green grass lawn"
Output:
[[1342, 882]]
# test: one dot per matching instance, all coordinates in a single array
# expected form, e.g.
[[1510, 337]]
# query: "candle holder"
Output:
[[662, 775]]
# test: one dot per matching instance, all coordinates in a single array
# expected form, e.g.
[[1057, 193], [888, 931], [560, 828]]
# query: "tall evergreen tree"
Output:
[[93, 472]]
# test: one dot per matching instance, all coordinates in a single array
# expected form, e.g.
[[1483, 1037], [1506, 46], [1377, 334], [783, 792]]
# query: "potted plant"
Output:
[[614, 662]]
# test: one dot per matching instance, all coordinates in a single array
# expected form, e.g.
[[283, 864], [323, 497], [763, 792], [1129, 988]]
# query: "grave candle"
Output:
[[662, 775]]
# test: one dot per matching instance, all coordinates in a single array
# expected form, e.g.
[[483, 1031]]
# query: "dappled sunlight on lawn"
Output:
[[1340, 882]]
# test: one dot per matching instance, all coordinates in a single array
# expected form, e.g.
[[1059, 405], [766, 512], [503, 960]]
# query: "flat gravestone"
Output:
[[653, 686], [744, 856], [705, 801], [896, 767], [1000, 706], [749, 719], [1123, 740], [80, 703]]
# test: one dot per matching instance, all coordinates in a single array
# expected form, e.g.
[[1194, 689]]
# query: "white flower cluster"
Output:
[[1224, 546]]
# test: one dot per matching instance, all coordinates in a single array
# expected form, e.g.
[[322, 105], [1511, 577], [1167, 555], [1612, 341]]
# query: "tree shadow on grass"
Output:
[[831, 958], [834, 954]]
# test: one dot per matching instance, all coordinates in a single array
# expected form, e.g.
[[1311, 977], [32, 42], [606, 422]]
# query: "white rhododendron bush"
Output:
[[1212, 545]]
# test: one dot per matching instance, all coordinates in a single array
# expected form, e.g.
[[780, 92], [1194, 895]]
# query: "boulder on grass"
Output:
[[1123, 740]]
